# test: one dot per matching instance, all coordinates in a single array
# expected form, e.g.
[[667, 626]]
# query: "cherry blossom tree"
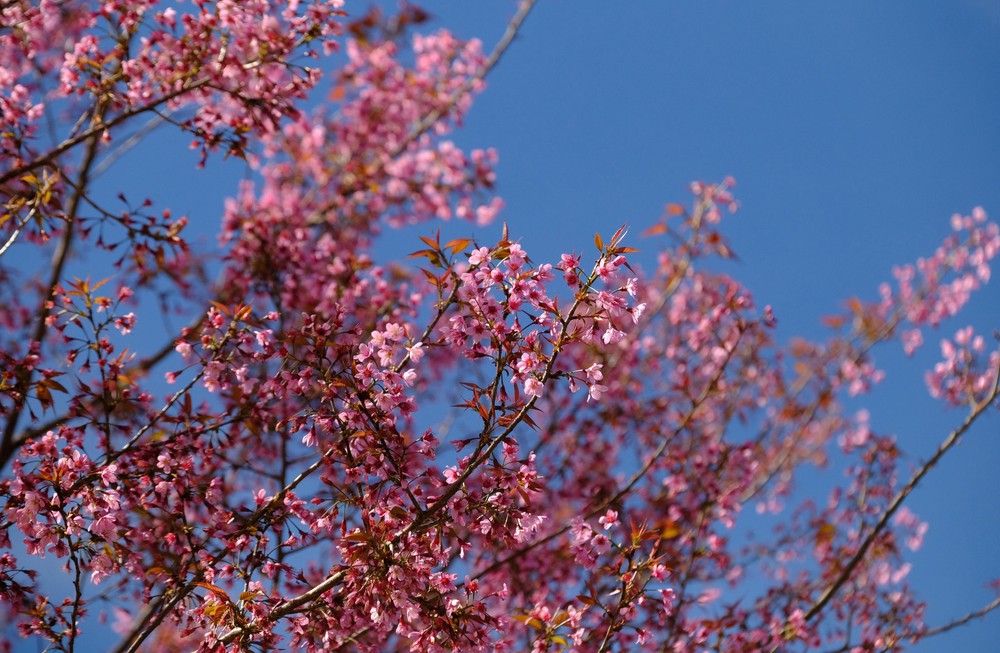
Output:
[[466, 450]]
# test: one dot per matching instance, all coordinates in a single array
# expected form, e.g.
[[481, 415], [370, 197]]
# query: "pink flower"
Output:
[[125, 323], [101, 567], [912, 339], [595, 390], [185, 350], [533, 387], [568, 262], [612, 336], [515, 258], [416, 352], [109, 474], [479, 256], [601, 543]]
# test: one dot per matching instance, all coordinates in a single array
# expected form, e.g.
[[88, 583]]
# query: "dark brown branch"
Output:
[[917, 635], [953, 438], [951, 625], [95, 131], [59, 259]]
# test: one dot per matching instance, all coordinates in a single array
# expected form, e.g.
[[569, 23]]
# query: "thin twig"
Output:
[[130, 142], [938, 630]]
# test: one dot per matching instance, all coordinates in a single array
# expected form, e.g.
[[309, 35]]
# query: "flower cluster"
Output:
[[468, 450]]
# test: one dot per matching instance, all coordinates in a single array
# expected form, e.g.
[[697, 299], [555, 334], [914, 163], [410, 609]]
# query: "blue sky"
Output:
[[854, 130]]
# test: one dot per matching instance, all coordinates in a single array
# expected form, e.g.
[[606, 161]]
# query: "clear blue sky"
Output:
[[854, 130]]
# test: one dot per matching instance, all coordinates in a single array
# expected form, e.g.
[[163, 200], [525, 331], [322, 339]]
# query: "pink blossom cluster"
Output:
[[467, 450], [937, 288], [967, 375]]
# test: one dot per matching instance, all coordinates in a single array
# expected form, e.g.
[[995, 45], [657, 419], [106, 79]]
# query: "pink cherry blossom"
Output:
[[351, 452]]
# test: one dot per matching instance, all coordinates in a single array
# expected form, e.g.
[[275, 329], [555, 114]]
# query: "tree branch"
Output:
[[951, 625], [59, 258], [897, 501], [95, 131]]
